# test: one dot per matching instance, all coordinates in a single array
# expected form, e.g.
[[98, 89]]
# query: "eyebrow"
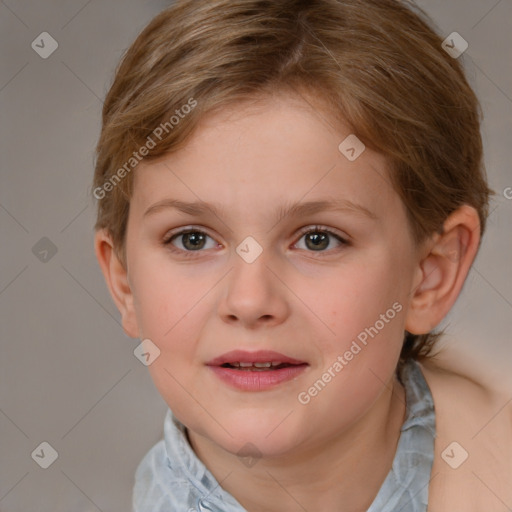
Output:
[[198, 208]]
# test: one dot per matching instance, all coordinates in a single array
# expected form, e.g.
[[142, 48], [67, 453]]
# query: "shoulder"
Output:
[[472, 467], [462, 393]]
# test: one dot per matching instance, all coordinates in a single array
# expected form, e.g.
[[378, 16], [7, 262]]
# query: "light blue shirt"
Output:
[[170, 477]]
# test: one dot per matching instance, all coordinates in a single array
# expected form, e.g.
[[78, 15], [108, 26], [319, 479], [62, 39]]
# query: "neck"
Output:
[[345, 471]]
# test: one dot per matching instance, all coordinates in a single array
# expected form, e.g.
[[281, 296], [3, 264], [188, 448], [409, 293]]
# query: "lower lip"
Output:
[[254, 380]]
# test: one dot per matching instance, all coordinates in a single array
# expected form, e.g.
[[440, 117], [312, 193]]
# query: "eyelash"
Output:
[[167, 240]]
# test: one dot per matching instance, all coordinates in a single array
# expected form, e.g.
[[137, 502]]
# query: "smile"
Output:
[[255, 371]]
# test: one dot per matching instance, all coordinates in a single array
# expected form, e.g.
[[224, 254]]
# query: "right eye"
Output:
[[191, 240]]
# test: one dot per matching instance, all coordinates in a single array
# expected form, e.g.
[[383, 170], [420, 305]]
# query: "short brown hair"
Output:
[[376, 65]]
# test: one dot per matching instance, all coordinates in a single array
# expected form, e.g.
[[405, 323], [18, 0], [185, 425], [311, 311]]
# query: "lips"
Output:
[[255, 371]]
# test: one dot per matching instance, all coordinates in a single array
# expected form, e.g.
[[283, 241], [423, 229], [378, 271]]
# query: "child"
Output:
[[291, 195]]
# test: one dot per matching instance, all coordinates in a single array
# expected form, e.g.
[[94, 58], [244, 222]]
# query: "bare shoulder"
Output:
[[465, 406], [448, 384], [472, 467]]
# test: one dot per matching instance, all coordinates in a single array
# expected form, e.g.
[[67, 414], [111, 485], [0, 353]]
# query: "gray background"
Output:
[[68, 375]]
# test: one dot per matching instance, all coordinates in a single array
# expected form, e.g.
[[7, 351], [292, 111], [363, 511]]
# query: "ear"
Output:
[[442, 271], [116, 277]]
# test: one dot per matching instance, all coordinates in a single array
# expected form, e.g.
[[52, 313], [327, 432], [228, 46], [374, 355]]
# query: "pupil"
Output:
[[318, 240], [195, 239]]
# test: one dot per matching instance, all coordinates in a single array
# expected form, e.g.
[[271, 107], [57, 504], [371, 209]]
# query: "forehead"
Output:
[[258, 154]]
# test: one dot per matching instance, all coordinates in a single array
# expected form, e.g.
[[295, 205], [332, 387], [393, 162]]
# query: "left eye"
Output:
[[319, 239]]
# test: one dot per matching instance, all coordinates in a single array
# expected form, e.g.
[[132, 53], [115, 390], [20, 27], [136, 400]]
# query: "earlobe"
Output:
[[116, 278], [443, 270]]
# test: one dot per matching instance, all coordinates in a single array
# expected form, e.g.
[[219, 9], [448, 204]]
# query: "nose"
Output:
[[254, 295]]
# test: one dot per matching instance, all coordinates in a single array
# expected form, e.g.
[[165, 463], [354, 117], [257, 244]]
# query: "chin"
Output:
[[256, 438], [258, 447]]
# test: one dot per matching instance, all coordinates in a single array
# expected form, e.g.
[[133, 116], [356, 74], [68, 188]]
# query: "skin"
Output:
[[305, 302]]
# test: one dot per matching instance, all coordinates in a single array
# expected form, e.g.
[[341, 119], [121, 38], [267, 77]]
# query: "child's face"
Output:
[[306, 298]]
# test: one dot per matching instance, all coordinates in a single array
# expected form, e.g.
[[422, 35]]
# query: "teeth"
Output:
[[268, 364]]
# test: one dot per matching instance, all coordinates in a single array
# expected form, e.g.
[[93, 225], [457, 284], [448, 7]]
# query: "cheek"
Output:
[[358, 361], [165, 297], [367, 317], [355, 297], [171, 306]]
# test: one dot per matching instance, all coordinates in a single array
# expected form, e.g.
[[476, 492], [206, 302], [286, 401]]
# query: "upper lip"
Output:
[[260, 356]]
